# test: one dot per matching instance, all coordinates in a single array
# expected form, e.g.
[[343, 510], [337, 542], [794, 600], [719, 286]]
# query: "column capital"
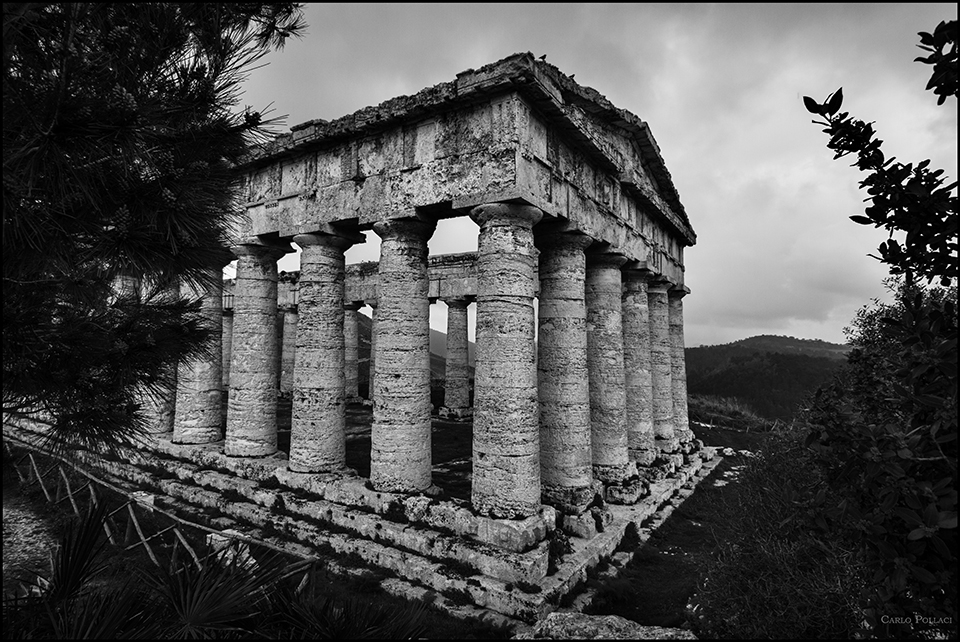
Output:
[[636, 279], [678, 291], [327, 240], [605, 259], [261, 252], [352, 305], [658, 286], [559, 240], [413, 228], [457, 302], [506, 214]]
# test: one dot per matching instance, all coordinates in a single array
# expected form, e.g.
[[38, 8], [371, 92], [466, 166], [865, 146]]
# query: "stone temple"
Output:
[[580, 410]]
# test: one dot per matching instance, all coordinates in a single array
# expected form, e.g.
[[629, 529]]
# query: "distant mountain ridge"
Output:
[[438, 351], [771, 374], [790, 345]]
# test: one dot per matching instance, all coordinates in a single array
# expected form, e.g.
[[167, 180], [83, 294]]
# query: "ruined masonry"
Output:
[[579, 424]]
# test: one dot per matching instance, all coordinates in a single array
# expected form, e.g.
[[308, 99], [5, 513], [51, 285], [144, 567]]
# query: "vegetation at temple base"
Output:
[[724, 412], [89, 594], [867, 502], [775, 574], [886, 435], [845, 524], [119, 132]]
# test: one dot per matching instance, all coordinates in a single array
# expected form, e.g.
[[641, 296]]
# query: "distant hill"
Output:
[[792, 345], [771, 374], [438, 351]]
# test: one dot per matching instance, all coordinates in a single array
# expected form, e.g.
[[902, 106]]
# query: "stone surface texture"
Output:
[[514, 130], [252, 405], [456, 397], [638, 378], [566, 464], [227, 338], [372, 375], [290, 317], [580, 626], [400, 457], [678, 371], [199, 406], [605, 358], [351, 339], [506, 434], [317, 433], [661, 361]]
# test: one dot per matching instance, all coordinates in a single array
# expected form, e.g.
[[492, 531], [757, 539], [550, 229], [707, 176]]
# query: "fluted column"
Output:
[[252, 406], [400, 454], [678, 371], [661, 368], [506, 434], [605, 360], [351, 338], [638, 378], [199, 415], [317, 433], [566, 461], [456, 394]]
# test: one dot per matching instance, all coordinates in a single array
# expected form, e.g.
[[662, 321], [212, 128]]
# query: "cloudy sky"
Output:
[[721, 87]]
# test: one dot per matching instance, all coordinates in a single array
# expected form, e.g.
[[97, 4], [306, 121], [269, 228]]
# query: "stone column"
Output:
[[678, 370], [160, 406], [227, 346], [638, 378], [252, 406], [566, 461], [605, 360], [400, 453], [506, 432], [456, 394], [372, 376], [199, 414], [351, 339], [661, 363], [317, 433], [290, 318]]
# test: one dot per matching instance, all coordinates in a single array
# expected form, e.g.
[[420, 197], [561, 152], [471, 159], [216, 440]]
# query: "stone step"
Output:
[[405, 535]]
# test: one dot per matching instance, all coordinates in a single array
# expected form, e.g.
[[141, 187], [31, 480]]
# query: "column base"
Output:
[[643, 456], [240, 452], [658, 471], [615, 474], [354, 400], [570, 500], [456, 414], [627, 492], [588, 524], [666, 446]]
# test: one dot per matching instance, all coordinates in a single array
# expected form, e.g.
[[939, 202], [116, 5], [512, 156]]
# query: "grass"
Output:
[[725, 412], [656, 586]]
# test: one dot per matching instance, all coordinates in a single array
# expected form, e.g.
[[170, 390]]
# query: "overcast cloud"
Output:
[[721, 87]]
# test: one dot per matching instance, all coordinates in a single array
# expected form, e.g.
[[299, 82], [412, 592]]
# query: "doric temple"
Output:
[[579, 410]]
